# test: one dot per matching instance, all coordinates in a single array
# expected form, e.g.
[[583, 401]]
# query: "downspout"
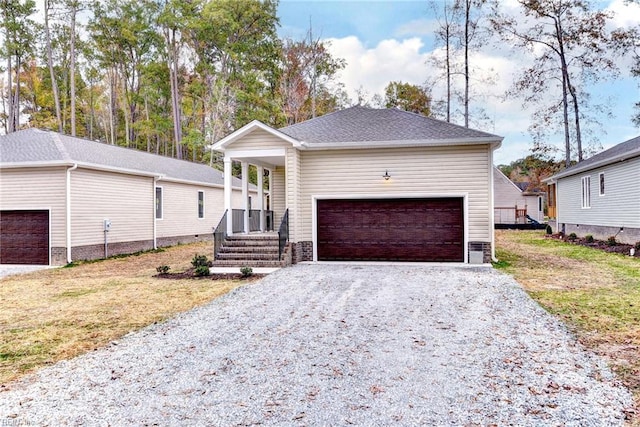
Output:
[[492, 224], [155, 220], [72, 168]]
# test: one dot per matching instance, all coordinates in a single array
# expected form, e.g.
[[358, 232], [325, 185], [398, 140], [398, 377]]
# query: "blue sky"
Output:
[[384, 41]]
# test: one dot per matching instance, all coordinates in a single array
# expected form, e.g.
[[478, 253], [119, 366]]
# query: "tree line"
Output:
[[165, 76], [174, 76]]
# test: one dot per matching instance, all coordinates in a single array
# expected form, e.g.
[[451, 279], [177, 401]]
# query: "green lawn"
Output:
[[597, 294]]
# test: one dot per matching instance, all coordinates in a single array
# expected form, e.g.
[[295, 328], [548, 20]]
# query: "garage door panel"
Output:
[[391, 229], [24, 237]]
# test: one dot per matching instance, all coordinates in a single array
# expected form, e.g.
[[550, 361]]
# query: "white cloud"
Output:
[[373, 68], [417, 27], [626, 14]]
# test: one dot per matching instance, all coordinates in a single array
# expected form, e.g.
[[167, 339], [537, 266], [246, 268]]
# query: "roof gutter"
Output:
[[494, 142], [579, 168], [68, 219]]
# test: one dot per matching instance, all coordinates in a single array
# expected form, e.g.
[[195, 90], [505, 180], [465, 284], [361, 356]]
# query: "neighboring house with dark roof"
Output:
[[512, 203], [601, 195], [375, 184], [64, 199]]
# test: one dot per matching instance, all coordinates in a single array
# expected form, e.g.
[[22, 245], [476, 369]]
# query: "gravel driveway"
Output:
[[337, 345]]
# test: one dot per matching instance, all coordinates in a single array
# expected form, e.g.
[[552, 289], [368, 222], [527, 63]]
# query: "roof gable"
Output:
[[617, 153], [249, 128], [34, 146], [366, 125]]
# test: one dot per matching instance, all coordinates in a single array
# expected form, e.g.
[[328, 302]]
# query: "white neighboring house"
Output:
[[511, 204], [64, 199], [601, 195]]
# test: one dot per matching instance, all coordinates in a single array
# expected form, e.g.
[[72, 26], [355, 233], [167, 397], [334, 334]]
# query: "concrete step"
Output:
[[247, 244], [247, 263], [252, 237], [247, 256], [250, 249]]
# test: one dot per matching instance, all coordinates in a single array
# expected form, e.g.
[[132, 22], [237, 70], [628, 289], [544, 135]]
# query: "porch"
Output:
[[254, 230]]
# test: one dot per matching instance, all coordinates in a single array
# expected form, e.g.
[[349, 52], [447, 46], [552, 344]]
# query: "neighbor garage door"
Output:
[[24, 237], [391, 229]]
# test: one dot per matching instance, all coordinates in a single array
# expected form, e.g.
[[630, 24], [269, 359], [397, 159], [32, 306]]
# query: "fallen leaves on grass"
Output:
[[56, 314], [596, 293]]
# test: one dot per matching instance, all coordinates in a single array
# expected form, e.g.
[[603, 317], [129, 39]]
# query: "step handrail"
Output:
[[219, 234], [283, 233]]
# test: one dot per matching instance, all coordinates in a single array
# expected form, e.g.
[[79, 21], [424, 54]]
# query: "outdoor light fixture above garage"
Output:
[[386, 175]]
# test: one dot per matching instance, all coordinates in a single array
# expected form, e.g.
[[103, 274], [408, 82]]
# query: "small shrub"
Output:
[[200, 261], [548, 230], [163, 269], [637, 246], [572, 237], [246, 271], [589, 238], [202, 270], [611, 241]]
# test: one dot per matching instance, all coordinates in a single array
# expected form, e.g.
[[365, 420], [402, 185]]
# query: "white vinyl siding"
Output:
[[278, 202], [423, 171], [35, 189], [293, 196], [586, 192], [126, 200], [259, 139], [620, 207]]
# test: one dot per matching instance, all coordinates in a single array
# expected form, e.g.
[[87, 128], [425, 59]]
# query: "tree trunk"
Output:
[[448, 66], [576, 112], [146, 113], [170, 36], [466, 62], [16, 100], [72, 66], [565, 113], [112, 107], [54, 83], [566, 87], [10, 122]]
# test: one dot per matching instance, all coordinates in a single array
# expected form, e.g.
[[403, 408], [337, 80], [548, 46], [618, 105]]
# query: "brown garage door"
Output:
[[24, 237], [391, 230]]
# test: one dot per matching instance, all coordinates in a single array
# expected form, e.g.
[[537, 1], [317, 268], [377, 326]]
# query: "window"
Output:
[[586, 192], [601, 177], [200, 204], [540, 207], [158, 202]]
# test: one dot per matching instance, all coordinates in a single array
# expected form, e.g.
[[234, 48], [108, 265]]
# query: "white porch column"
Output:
[[227, 194], [269, 205], [260, 204], [245, 194]]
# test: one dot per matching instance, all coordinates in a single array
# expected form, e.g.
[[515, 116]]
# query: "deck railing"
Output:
[[238, 220], [510, 215], [283, 233], [254, 220]]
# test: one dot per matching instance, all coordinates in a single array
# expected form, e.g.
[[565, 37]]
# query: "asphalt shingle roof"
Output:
[[362, 124], [630, 148], [40, 146]]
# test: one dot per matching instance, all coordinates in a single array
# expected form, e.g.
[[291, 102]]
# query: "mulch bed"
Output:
[[189, 274], [618, 248]]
